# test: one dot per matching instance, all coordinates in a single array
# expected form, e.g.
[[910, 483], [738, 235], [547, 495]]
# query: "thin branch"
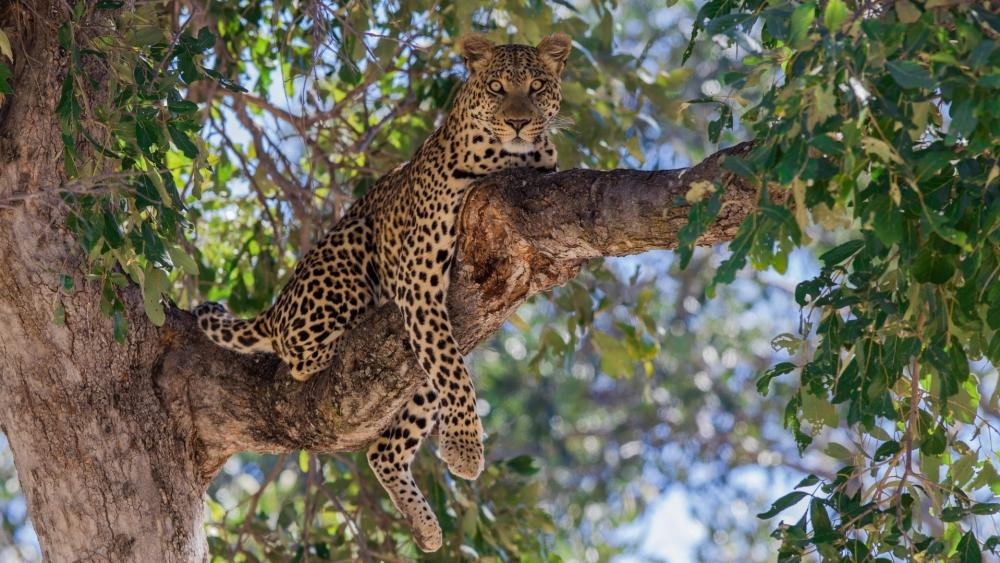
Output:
[[295, 194]]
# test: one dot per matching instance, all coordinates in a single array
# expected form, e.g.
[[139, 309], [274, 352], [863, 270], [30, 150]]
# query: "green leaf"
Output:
[[469, 521], [724, 120], [827, 144], [181, 258], [952, 514], [824, 108], [881, 149], [782, 503], [182, 142], [739, 247], [963, 118], [986, 477], [120, 324], [808, 481], [985, 508], [615, 358], [802, 19], [968, 549], [961, 469], [842, 252], [822, 528], [993, 315], [68, 108], [189, 70], [886, 450], [837, 451], [834, 14], [906, 11], [523, 465], [147, 133], [935, 442], [147, 35], [182, 107], [5, 72], [112, 233], [990, 80], [819, 411], [152, 246], [778, 370], [699, 218], [932, 266], [909, 74], [738, 166], [154, 284]]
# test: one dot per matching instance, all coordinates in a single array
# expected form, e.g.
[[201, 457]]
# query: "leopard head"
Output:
[[513, 91]]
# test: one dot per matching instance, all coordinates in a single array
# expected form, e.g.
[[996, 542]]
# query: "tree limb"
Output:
[[522, 233]]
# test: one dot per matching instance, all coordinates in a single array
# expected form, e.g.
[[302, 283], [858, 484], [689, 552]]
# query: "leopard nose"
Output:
[[517, 124]]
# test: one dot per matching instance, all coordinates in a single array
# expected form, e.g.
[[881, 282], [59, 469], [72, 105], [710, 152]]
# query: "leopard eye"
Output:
[[536, 85], [495, 86]]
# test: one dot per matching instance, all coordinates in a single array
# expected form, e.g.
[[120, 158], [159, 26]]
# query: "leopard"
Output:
[[397, 244]]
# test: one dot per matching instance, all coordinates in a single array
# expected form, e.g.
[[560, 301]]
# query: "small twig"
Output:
[[252, 508]]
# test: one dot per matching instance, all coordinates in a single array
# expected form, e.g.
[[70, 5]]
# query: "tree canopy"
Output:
[[224, 137]]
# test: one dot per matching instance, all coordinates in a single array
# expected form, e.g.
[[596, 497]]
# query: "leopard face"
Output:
[[513, 91]]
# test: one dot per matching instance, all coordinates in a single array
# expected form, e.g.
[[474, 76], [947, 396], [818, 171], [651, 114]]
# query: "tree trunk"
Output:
[[106, 471], [115, 444]]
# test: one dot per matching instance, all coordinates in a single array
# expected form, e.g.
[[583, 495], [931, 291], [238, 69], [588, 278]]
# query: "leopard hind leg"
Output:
[[391, 456], [306, 364], [328, 293]]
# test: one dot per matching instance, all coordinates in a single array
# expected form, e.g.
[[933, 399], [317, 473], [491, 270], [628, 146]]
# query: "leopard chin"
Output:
[[518, 145]]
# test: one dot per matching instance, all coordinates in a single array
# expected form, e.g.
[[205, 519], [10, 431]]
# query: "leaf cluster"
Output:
[[879, 123]]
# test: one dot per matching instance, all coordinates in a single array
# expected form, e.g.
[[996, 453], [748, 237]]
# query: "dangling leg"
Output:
[[390, 457], [461, 431]]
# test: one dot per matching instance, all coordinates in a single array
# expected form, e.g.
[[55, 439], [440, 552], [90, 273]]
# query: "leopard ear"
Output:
[[476, 50], [554, 50]]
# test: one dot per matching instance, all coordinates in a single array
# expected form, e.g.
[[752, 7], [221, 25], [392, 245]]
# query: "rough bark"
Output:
[[115, 444], [105, 468]]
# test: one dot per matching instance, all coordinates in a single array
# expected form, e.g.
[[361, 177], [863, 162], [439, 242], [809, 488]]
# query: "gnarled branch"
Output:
[[522, 233]]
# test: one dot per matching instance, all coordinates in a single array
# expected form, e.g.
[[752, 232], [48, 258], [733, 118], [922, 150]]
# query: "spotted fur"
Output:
[[397, 244]]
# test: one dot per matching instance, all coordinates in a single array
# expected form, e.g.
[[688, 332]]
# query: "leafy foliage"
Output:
[[130, 149], [879, 119]]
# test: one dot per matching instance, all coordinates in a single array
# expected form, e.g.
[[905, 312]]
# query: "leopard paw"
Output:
[[426, 534], [463, 452]]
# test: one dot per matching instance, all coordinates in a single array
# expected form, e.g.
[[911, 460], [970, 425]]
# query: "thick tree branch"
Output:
[[523, 232]]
